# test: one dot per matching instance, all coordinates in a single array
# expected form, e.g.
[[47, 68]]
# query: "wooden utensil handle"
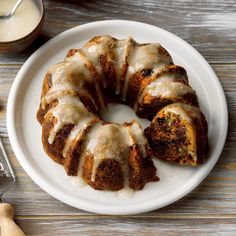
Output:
[[7, 224]]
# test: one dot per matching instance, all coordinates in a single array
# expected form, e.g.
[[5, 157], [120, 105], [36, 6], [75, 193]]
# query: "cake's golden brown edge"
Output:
[[85, 99], [136, 83], [141, 169], [109, 175], [55, 149], [75, 151], [47, 84], [71, 52], [91, 89], [202, 140], [107, 66], [167, 136], [141, 78], [153, 104]]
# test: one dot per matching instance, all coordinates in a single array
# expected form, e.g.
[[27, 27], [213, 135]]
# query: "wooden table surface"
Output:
[[210, 26]]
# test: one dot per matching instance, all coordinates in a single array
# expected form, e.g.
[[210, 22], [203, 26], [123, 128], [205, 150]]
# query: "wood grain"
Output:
[[107, 226], [210, 26]]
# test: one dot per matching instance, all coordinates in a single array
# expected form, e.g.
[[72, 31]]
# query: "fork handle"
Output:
[[7, 224]]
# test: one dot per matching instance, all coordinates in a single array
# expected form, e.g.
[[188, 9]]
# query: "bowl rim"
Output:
[[42, 13]]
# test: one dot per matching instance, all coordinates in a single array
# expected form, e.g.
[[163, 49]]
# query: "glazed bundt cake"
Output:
[[178, 133], [110, 156]]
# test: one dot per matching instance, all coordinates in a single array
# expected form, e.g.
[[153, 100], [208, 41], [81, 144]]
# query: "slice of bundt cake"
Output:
[[144, 61], [178, 133], [116, 156], [168, 86]]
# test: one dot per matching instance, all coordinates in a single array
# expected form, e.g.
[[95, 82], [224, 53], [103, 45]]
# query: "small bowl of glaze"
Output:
[[19, 31]]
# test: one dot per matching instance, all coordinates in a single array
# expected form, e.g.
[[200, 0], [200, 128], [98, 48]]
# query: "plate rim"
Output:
[[94, 207]]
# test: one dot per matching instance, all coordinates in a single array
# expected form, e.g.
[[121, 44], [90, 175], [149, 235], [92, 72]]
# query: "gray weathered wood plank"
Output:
[[126, 226], [210, 26]]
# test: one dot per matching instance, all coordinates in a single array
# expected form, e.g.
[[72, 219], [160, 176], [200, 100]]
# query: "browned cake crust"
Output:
[[141, 78], [74, 153], [150, 105], [175, 139], [141, 170], [109, 175], [55, 149], [155, 104], [107, 86]]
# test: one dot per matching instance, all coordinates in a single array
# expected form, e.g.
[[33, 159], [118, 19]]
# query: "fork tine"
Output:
[[6, 160]]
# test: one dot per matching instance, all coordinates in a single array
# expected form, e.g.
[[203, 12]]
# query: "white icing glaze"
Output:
[[87, 152], [109, 141], [93, 52], [186, 111], [69, 110], [77, 182], [78, 56], [112, 141], [59, 92], [178, 110], [71, 75], [72, 71], [130, 47], [136, 132], [144, 57], [126, 192], [77, 132], [120, 53], [166, 87]]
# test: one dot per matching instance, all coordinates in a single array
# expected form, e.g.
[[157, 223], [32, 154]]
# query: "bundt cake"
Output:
[[110, 156], [178, 133]]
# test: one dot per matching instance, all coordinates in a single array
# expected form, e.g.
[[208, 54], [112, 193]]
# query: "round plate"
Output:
[[175, 181]]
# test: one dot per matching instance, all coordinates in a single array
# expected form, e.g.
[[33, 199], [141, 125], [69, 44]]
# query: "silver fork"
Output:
[[7, 225]]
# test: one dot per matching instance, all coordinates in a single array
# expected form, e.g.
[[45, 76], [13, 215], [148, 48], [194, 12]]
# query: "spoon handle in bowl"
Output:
[[16, 6]]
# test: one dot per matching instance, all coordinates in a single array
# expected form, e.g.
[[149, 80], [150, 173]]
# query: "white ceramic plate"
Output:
[[25, 131]]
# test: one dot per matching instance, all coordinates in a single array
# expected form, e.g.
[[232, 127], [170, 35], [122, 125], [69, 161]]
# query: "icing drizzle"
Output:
[[72, 77], [142, 57], [164, 87]]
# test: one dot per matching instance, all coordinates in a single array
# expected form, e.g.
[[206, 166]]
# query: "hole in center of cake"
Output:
[[120, 113]]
